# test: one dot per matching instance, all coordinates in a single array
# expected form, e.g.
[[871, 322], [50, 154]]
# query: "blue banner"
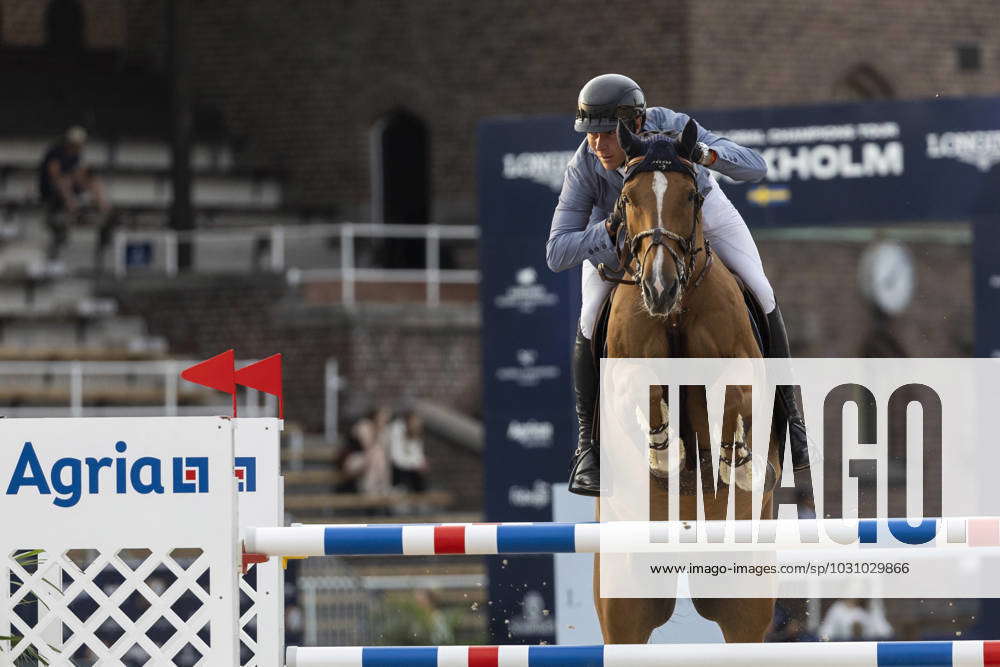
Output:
[[864, 163], [529, 320], [986, 268]]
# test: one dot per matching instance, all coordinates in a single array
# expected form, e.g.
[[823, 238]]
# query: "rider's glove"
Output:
[[614, 221]]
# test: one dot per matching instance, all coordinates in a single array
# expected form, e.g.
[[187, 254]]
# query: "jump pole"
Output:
[[814, 654], [552, 538]]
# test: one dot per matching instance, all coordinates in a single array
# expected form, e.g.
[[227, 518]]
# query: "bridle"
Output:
[[628, 248]]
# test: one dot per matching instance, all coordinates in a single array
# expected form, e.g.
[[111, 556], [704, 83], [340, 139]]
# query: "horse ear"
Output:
[[689, 138], [631, 143]]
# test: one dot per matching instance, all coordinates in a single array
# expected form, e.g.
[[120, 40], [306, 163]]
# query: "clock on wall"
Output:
[[887, 276]]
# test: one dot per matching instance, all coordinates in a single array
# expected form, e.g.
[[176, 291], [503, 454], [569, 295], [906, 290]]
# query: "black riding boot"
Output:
[[585, 477], [796, 425]]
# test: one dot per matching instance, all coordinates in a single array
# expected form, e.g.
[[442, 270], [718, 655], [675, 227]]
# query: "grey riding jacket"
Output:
[[589, 193]]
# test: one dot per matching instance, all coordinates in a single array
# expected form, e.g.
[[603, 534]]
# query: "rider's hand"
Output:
[[614, 221]]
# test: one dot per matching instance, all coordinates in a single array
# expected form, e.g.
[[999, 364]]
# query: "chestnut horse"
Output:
[[681, 301]]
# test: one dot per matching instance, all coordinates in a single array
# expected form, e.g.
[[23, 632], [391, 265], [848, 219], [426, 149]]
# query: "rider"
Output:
[[582, 234]]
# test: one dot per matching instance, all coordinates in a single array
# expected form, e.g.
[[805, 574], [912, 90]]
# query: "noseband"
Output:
[[628, 250]]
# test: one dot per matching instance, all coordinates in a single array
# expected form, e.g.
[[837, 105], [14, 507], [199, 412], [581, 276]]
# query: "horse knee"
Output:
[[630, 620], [741, 620]]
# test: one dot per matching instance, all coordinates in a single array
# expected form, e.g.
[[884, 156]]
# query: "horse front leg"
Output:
[[662, 440]]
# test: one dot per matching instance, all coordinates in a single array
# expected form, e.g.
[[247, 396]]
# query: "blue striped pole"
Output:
[[815, 654], [551, 538]]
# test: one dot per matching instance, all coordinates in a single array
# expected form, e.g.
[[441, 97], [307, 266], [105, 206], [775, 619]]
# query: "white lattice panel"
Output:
[[136, 520]]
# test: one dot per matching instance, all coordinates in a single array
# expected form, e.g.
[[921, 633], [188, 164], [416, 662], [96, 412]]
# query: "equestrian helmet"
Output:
[[605, 99]]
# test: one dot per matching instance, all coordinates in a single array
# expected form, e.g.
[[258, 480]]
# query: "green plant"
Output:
[[414, 620], [25, 559]]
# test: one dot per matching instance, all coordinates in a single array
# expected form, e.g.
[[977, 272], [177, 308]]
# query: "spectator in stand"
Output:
[[350, 463], [294, 625], [373, 433], [406, 448], [849, 620], [65, 185]]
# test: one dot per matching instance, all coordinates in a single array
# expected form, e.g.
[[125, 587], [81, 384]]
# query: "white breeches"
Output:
[[726, 231]]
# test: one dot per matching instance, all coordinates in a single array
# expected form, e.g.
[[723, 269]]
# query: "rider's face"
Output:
[[607, 149]]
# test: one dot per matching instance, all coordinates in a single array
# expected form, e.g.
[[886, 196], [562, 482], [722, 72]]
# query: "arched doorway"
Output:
[[64, 27], [401, 181], [863, 82]]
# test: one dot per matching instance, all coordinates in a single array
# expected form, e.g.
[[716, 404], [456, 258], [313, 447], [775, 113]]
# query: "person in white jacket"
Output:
[[849, 620], [406, 451]]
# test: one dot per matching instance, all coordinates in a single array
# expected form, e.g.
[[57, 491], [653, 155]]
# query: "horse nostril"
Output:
[[672, 292], [652, 295]]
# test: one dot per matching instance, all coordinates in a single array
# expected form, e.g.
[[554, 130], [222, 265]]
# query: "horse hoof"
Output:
[[744, 474], [661, 463]]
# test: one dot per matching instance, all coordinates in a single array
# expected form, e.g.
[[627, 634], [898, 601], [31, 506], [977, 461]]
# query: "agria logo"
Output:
[[245, 469], [69, 478]]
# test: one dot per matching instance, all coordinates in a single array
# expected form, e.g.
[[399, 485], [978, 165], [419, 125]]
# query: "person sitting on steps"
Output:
[[65, 185]]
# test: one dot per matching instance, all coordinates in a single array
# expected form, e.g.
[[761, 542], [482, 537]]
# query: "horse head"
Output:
[[661, 205]]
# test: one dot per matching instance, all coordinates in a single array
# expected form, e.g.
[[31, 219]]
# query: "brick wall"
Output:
[[301, 84], [305, 82], [785, 52], [816, 284], [22, 23], [386, 353], [145, 32]]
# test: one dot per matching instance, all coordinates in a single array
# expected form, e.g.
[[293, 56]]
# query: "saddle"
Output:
[[599, 340]]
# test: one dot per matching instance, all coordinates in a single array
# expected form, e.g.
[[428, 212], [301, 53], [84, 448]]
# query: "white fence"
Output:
[[71, 380], [303, 252]]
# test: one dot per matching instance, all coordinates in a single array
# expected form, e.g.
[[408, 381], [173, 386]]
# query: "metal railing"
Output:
[[246, 250], [71, 379]]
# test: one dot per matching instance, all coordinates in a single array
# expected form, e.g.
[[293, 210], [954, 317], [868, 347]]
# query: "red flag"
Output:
[[265, 376], [217, 373]]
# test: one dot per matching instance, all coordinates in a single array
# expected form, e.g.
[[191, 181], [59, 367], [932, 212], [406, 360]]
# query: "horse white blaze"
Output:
[[658, 270], [660, 192]]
